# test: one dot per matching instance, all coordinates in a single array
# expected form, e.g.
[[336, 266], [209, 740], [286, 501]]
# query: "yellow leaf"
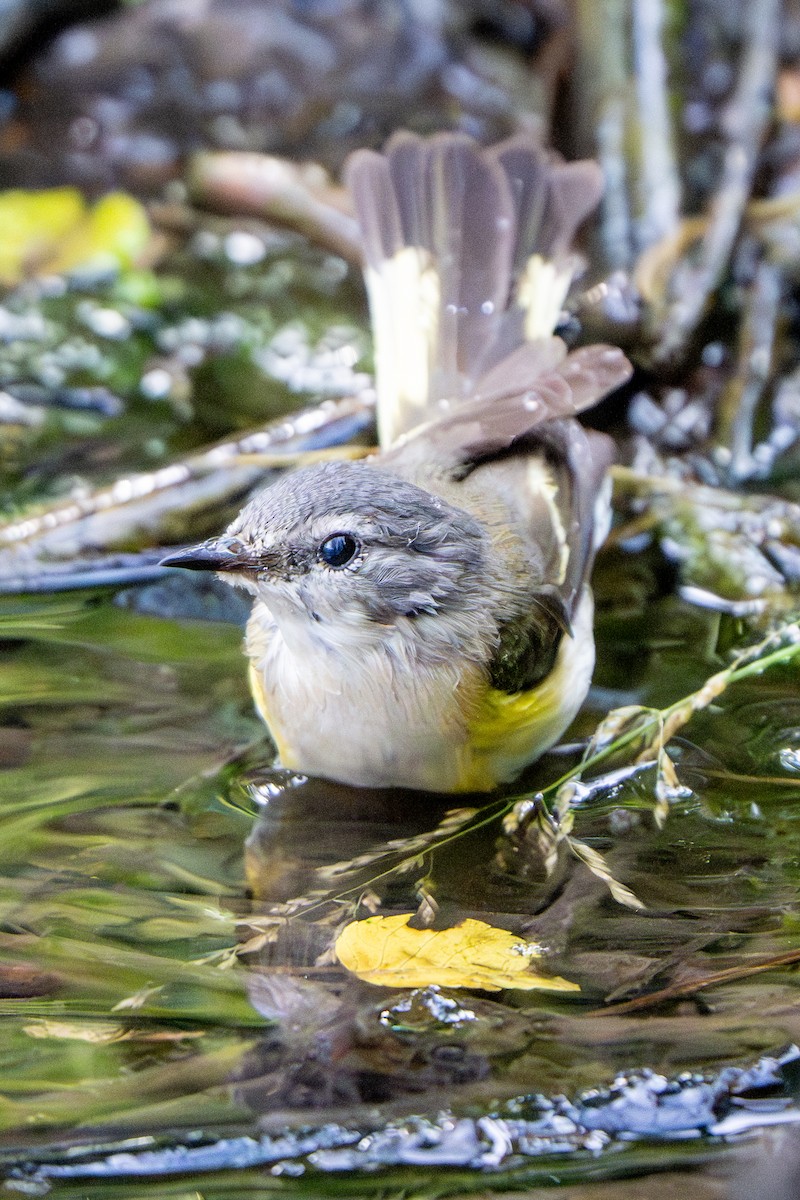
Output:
[[32, 224], [385, 951], [113, 235], [53, 232]]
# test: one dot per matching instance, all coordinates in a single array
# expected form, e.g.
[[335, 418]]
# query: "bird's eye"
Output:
[[338, 550]]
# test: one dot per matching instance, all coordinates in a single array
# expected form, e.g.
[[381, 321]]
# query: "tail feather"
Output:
[[551, 200], [466, 259], [455, 205], [437, 290]]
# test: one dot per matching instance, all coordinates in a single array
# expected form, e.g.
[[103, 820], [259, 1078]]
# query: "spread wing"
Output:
[[467, 264]]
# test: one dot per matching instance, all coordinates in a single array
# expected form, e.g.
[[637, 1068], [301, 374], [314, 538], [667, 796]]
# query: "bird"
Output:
[[423, 618]]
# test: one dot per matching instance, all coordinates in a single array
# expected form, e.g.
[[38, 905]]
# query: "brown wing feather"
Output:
[[576, 461], [476, 430]]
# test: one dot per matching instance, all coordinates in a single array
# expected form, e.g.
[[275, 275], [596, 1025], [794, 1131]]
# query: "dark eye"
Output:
[[338, 550]]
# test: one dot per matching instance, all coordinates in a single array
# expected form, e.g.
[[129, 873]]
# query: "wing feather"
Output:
[[547, 471], [477, 430], [563, 535]]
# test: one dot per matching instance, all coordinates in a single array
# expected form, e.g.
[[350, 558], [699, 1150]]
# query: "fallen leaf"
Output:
[[54, 232], [383, 950], [113, 234], [31, 224]]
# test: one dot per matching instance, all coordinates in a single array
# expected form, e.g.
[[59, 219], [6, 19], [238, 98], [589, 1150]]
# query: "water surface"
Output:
[[173, 1021]]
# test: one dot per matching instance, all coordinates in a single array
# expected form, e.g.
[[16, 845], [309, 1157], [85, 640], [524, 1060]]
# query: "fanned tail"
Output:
[[467, 266]]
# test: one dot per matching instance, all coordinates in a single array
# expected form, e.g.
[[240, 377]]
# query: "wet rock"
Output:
[[530, 1127]]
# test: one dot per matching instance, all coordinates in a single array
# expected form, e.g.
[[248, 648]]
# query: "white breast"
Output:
[[364, 712]]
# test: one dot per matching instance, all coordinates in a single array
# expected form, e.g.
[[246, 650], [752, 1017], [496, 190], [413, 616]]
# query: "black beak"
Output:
[[214, 555]]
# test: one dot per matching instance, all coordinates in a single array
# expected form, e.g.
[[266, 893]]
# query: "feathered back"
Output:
[[467, 266]]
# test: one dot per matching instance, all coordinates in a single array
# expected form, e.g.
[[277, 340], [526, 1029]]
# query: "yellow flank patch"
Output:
[[510, 729], [262, 705], [384, 951], [505, 726], [505, 714]]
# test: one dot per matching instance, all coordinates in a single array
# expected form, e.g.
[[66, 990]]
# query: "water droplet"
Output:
[[789, 759], [156, 384], [243, 248]]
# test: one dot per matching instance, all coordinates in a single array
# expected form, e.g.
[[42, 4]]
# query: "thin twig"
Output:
[[628, 481], [658, 183], [602, 32], [299, 195], [747, 122], [756, 353], [38, 550], [692, 986]]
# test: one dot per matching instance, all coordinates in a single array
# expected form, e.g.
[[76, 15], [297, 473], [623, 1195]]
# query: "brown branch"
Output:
[[747, 123], [693, 986]]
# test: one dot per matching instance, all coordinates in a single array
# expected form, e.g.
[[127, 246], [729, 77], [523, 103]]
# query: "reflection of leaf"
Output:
[[385, 951], [54, 232], [101, 1033]]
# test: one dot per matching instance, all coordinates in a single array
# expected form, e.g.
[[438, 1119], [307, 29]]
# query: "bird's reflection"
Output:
[[334, 1045], [307, 825]]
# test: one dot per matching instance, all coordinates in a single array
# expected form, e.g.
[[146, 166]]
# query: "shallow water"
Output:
[[171, 1026]]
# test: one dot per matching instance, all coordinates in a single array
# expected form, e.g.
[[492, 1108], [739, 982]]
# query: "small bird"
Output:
[[423, 618]]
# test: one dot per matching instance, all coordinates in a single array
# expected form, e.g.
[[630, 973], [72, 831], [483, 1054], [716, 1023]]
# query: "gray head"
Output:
[[347, 545]]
